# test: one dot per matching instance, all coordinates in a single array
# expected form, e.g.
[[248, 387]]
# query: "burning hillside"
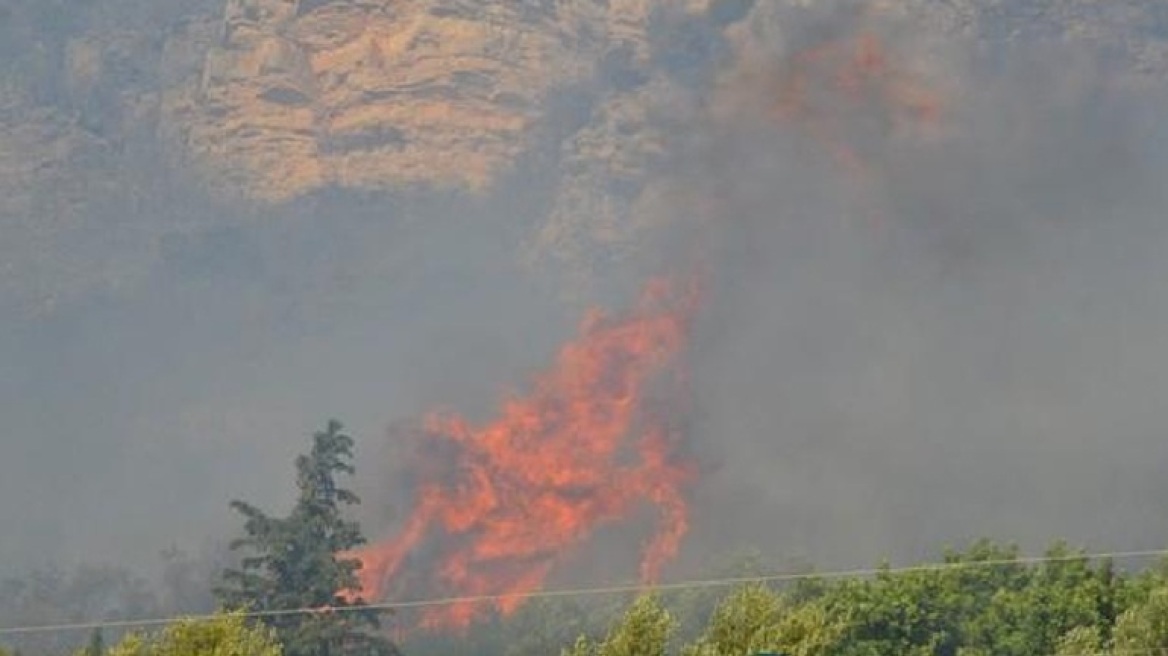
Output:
[[500, 504]]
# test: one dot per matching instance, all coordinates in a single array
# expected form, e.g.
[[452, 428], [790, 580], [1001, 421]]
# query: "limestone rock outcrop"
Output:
[[259, 103], [299, 95]]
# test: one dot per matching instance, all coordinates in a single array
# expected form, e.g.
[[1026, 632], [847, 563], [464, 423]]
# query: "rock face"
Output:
[[299, 95], [269, 101], [41, 194]]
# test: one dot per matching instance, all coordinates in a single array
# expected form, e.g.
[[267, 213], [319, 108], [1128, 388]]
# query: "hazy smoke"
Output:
[[961, 340], [964, 341]]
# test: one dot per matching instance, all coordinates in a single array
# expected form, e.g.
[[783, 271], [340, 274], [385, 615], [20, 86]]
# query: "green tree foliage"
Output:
[[225, 635], [739, 622], [1143, 628], [1079, 641], [644, 630], [986, 601], [297, 562], [693, 607], [1050, 600], [999, 607], [756, 619], [1140, 629]]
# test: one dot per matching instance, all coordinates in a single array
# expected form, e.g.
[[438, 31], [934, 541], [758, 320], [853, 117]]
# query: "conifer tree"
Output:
[[297, 562]]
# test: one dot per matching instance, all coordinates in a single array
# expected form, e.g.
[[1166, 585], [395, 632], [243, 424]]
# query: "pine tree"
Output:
[[296, 562]]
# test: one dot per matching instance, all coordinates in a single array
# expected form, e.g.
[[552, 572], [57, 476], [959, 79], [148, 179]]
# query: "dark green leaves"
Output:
[[296, 562]]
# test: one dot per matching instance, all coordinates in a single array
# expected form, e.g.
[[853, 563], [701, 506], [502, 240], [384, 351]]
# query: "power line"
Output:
[[625, 588], [1119, 652]]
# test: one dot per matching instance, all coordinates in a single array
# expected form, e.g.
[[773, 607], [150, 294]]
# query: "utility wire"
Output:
[[1120, 652], [691, 584]]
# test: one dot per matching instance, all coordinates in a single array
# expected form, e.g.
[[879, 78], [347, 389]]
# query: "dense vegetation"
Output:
[[987, 600], [984, 601], [227, 635], [294, 562]]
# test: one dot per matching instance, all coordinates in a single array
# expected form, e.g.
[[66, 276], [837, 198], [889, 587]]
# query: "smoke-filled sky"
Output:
[[961, 338], [984, 357], [964, 339]]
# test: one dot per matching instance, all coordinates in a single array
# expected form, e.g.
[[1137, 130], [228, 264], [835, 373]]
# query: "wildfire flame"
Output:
[[825, 84], [499, 505], [511, 498]]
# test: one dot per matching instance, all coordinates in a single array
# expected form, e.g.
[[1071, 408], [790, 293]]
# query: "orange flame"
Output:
[[853, 72], [511, 498], [831, 89]]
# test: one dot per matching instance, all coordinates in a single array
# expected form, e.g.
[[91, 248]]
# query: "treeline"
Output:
[[985, 601]]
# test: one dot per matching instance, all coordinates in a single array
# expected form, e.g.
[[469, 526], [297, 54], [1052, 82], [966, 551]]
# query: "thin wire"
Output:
[[692, 584], [1119, 652]]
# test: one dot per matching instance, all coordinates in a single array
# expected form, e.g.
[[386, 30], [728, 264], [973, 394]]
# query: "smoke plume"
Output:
[[933, 312]]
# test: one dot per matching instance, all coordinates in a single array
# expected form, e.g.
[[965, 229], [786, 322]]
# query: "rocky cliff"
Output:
[[263, 102], [295, 96]]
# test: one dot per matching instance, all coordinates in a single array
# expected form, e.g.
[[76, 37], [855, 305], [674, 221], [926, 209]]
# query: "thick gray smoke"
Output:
[[131, 422], [965, 340], [962, 339]]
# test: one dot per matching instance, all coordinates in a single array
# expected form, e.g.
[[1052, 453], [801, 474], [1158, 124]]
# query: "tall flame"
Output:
[[499, 505], [508, 500]]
